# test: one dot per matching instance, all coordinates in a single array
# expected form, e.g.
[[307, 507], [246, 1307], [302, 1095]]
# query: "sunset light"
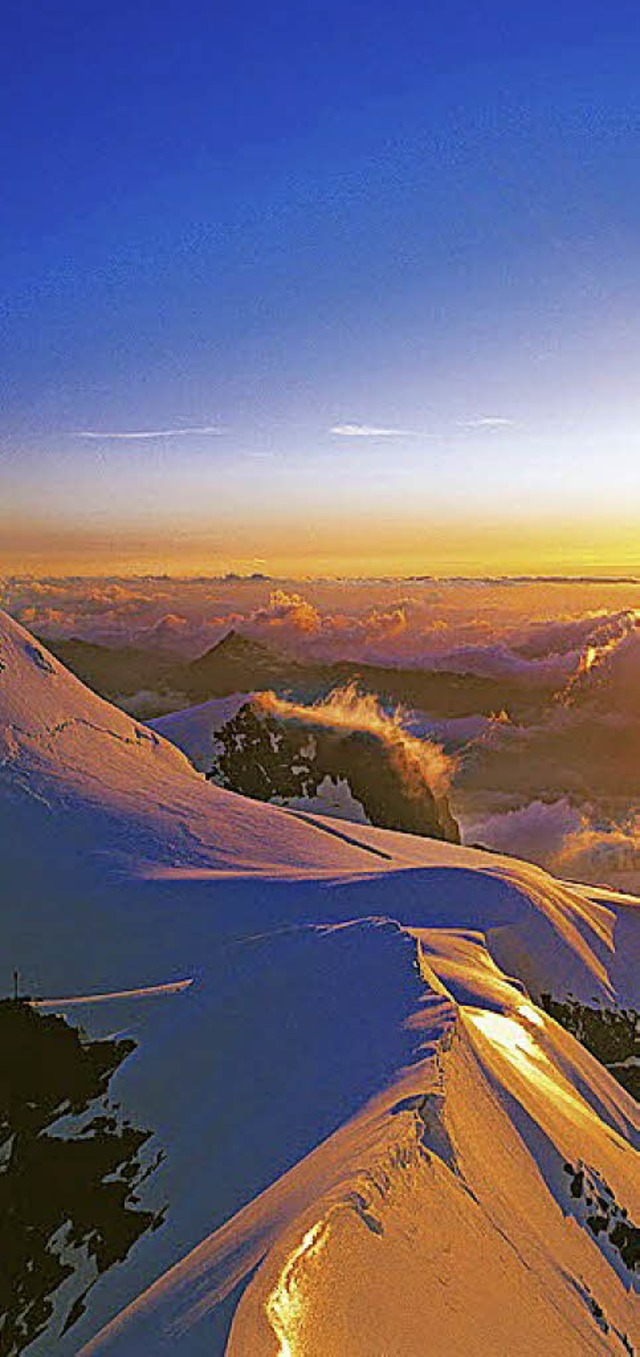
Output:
[[320, 679]]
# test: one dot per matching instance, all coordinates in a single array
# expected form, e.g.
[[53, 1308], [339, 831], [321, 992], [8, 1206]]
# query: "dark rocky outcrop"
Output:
[[275, 759], [68, 1201], [612, 1036]]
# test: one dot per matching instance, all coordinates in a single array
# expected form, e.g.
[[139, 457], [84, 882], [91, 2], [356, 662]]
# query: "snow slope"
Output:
[[193, 729], [376, 1141]]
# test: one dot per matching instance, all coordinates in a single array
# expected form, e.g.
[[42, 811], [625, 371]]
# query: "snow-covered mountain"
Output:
[[343, 757], [376, 1139]]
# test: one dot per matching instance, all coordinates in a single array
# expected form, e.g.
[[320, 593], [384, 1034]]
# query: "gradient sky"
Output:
[[365, 276]]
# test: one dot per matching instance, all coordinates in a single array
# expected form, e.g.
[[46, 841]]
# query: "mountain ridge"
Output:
[[238, 663], [357, 1090]]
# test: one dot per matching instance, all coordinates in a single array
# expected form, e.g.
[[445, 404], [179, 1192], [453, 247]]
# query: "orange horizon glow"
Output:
[[342, 549], [312, 546]]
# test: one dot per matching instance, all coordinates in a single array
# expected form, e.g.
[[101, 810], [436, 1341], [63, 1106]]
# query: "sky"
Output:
[[338, 289]]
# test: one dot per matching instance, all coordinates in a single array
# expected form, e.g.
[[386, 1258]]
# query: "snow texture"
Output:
[[367, 1118]]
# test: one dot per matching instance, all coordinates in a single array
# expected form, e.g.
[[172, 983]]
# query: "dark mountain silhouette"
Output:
[[238, 663], [112, 671]]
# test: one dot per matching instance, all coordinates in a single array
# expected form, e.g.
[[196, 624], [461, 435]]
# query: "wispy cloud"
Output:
[[368, 431], [132, 435], [477, 423], [487, 422]]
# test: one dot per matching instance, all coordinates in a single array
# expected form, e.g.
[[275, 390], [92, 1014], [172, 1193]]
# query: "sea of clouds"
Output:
[[560, 786]]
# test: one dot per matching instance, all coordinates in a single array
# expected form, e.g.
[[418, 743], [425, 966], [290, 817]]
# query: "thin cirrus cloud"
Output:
[[132, 435], [487, 422], [369, 431], [481, 422]]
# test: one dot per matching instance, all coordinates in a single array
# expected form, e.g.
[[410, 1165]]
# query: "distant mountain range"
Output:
[[239, 664], [115, 671]]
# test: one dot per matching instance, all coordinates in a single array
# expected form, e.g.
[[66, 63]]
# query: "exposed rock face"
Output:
[[290, 760], [69, 1209], [613, 1036]]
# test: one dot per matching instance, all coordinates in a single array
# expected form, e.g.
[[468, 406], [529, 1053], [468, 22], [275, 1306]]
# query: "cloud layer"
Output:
[[552, 777]]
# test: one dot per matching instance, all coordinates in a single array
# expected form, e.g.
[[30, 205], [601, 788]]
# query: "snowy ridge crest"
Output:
[[374, 1130]]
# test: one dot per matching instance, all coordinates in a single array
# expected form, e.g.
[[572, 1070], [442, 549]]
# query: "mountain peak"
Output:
[[237, 663], [234, 643]]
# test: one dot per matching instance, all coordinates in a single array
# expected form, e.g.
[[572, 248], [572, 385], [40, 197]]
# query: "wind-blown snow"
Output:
[[367, 1118]]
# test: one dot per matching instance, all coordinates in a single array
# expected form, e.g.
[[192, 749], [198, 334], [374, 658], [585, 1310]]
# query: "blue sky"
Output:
[[356, 264]]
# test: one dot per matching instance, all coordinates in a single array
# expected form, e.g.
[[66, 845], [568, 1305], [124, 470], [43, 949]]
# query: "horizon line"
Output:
[[257, 577]]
